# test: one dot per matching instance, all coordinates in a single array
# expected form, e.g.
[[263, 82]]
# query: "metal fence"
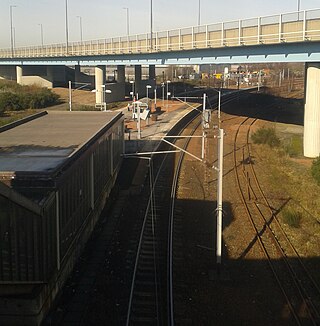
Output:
[[289, 27]]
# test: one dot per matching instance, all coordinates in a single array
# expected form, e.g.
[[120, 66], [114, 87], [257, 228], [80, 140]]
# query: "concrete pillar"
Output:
[[121, 76], [100, 79], [19, 74], [152, 72], [311, 140], [77, 74], [137, 79], [152, 75]]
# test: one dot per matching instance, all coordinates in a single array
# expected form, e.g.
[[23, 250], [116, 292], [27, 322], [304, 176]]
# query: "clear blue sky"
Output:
[[107, 18]]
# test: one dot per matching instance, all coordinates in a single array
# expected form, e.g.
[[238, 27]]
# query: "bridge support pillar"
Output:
[[19, 74], [121, 76], [152, 75], [100, 79], [137, 79], [311, 139], [77, 73]]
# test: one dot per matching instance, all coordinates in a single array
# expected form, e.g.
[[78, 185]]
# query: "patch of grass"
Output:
[[294, 146], [292, 218], [315, 170], [266, 136]]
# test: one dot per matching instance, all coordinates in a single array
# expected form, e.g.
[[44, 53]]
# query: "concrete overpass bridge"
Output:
[[287, 37]]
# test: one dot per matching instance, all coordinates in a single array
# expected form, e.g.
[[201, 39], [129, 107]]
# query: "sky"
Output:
[[107, 18]]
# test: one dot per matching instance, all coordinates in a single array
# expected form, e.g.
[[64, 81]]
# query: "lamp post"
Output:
[[104, 91], [11, 30], [67, 29], [80, 26], [127, 10], [162, 86], [132, 92], [151, 25], [148, 87], [41, 33], [168, 82], [199, 12], [299, 5]]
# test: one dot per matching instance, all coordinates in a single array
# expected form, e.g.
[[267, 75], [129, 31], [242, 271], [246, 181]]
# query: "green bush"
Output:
[[15, 97], [266, 136], [315, 170], [11, 102], [294, 147], [292, 218]]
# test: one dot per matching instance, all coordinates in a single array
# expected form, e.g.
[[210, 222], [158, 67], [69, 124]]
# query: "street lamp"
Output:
[[199, 10], [151, 23], [11, 30], [104, 91], [127, 10], [168, 82], [41, 33], [67, 31], [132, 92], [162, 86], [299, 5], [148, 87], [80, 26]]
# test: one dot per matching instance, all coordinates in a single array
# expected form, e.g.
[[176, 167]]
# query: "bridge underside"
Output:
[[284, 52]]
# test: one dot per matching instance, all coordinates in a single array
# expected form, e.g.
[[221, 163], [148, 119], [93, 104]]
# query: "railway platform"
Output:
[[158, 125], [162, 119]]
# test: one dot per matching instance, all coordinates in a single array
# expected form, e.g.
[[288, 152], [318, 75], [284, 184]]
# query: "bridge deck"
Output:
[[290, 27]]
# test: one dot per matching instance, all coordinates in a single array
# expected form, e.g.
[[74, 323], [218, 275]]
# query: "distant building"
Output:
[[56, 172]]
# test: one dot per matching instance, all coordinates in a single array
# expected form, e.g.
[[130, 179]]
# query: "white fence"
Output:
[[290, 27]]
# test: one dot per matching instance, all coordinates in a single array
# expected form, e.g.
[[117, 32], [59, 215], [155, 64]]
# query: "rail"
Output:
[[297, 26]]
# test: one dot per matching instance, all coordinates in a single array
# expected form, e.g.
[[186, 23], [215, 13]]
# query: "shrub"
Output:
[[295, 147], [266, 136], [11, 102], [20, 97], [315, 170], [292, 218]]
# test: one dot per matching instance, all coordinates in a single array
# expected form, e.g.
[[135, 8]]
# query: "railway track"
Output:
[[151, 299], [301, 292]]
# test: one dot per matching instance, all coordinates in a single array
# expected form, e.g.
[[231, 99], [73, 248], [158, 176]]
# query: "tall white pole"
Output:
[[70, 96], [203, 122], [41, 33], [151, 24], [219, 109], [80, 27], [104, 97], [219, 197], [138, 118], [199, 11], [11, 31], [67, 28], [127, 14]]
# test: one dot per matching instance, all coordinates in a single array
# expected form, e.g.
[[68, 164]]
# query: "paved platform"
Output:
[[151, 132], [160, 123]]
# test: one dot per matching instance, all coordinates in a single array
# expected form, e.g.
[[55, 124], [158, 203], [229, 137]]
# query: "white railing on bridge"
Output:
[[289, 27]]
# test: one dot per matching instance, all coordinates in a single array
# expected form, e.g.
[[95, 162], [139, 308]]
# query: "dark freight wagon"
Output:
[[56, 171]]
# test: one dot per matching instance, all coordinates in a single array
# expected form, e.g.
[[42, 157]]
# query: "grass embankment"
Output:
[[291, 187]]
